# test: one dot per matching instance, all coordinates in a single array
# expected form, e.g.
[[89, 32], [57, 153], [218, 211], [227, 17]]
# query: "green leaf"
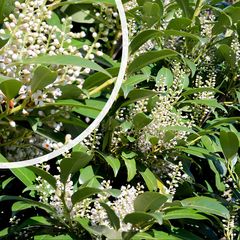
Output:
[[149, 179], [149, 201], [2, 10], [99, 78], [57, 5], [44, 175], [131, 168], [185, 6], [26, 176], [179, 33], [143, 235], [149, 57], [113, 218], [138, 94], [55, 20], [163, 235], [84, 193], [233, 12], [42, 77], [6, 182], [70, 92], [151, 13], [19, 206], [88, 178], [43, 206], [9, 86], [191, 65], [113, 162], [183, 213], [148, 34], [40, 220], [138, 218], [142, 38], [223, 22], [86, 174], [227, 54], [83, 14], [87, 109], [65, 60], [230, 144], [73, 164], [47, 237], [179, 23], [140, 120], [131, 81], [219, 184], [165, 77], [107, 232], [206, 205], [129, 155]]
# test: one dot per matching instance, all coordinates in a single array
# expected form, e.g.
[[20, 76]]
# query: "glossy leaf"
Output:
[[42, 77], [84, 193], [26, 176], [151, 13], [131, 168], [113, 218], [73, 164], [44, 175], [185, 6], [150, 179], [138, 218], [9, 86], [206, 205], [113, 162], [65, 60], [183, 213], [149, 201], [230, 144], [150, 57], [140, 120], [29, 201], [164, 77]]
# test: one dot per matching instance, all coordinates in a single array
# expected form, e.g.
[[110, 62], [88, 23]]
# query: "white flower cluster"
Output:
[[90, 208], [235, 45], [93, 140], [176, 176], [122, 205], [206, 20], [132, 24], [165, 118]]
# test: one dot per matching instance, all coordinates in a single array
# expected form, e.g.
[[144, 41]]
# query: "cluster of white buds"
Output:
[[122, 205], [24, 146], [235, 45], [132, 24], [93, 140], [33, 35], [206, 20], [90, 207], [165, 118], [176, 176], [230, 227]]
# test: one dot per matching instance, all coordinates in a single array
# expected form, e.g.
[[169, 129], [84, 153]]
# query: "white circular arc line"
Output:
[[102, 114]]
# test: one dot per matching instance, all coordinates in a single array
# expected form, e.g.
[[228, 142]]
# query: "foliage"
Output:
[[164, 163]]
